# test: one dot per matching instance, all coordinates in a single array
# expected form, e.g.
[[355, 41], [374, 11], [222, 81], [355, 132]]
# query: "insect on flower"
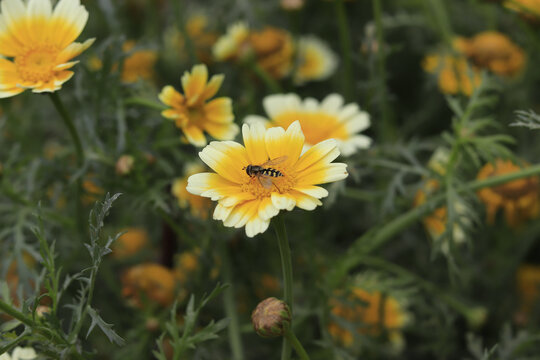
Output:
[[265, 174]]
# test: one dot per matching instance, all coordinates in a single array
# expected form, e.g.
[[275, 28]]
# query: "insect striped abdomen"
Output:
[[271, 172]]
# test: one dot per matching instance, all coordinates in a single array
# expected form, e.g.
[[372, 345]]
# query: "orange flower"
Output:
[[130, 243], [369, 312], [139, 64], [518, 198], [148, 282], [496, 52], [455, 75], [530, 9], [273, 50]]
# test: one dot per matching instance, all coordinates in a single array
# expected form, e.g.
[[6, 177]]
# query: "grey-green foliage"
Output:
[[188, 338], [47, 332], [528, 119], [511, 346]]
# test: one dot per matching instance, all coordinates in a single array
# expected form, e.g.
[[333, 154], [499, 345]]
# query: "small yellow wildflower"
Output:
[[518, 198], [316, 61], [191, 111], [361, 308], [40, 42], [139, 64], [329, 119], [199, 206], [151, 282], [245, 200], [130, 243]]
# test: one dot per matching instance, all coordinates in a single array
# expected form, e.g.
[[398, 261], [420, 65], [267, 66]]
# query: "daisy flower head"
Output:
[[37, 44], [252, 183], [316, 61], [194, 113], [328, 119], [233, 43]]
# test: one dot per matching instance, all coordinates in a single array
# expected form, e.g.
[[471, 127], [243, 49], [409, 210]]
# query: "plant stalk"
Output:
[[286, 266], [300, 351]]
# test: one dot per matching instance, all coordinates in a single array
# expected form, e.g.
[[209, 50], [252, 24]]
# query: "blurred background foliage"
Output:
[[458, 284]]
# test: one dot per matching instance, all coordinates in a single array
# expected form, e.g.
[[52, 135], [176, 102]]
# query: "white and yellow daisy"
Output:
[[329, 119], [37, 44], [245, 200], [191, 111], [233, 43], [316, 61]]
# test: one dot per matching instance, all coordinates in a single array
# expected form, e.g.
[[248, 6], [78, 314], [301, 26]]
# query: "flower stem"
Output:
[[69, 124], [286, 266], [146, 103], [346, 53], [235, 339], [376, 237], [297, 345], [268, 80]]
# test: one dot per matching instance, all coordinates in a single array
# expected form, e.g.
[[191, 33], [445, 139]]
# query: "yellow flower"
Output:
[[193, 114], [151, 282], [329, 119], [273, 51], [198, 206], [455, 75], [518, 198], [130, 243], [40, 42], [233, 44], [251, 201], [139, 64], [528, 8], [361, 308], [316, 61], [496, 52], [528, 286]]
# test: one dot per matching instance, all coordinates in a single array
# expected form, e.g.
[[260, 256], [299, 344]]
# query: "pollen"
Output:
[[282, 184], [37, 64]]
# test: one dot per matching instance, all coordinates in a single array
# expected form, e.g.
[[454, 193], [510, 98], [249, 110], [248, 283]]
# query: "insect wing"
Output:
[[265, 180], [275, 161]]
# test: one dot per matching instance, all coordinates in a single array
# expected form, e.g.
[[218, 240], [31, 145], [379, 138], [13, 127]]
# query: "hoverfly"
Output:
[[265, 174]]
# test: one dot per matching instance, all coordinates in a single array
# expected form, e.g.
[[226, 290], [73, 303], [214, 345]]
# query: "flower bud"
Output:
[[271, 318], [124, 165]]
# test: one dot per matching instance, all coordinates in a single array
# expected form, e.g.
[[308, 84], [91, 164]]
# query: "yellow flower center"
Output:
[[37, 63], [279, 184], [316, 126]]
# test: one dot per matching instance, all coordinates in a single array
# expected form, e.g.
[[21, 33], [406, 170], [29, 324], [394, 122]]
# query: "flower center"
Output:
[[262, 186], [317, 126], [37, 64]]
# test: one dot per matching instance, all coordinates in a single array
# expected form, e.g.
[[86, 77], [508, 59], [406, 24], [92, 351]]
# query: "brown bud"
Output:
[[271, 318], [124, 165]]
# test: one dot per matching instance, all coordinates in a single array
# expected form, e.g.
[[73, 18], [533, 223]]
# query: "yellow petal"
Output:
[[227, 158], [213, 86], [194, 135], [194, 83], [304, 201], [254, 141], [321, 175], [221, 131], [219, 110], [9, 77], [73, 50], [169, 96], [322, 153], [210, 185], [285, 143], [67, 22]]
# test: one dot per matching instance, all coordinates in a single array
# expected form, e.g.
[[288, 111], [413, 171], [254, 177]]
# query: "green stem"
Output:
[[286, 266], [440, 17], [268, 80], [386, 130], [235, 339], [297, 345], [377, 237], [346, 53], [13, 343], [69, 124], [146, 103]]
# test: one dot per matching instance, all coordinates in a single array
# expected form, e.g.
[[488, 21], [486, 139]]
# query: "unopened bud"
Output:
[[271, 318], [152, 324], [124, 165], [476, 317], [42, 310], [292, 4]]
